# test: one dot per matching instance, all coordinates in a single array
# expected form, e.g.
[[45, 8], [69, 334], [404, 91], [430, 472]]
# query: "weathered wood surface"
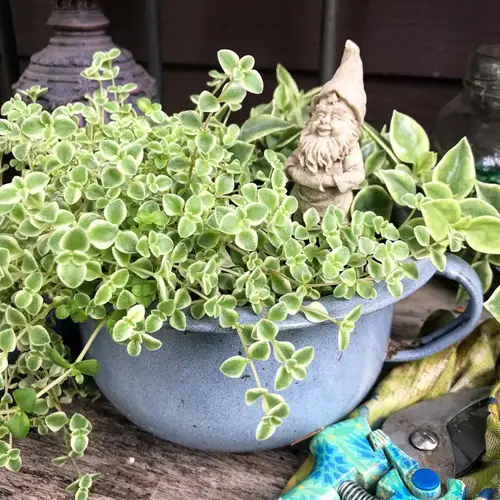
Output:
[[137, 466]]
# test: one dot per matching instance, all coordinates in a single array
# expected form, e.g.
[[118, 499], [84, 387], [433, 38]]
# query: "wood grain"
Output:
[[414, 53], [138, 466], [424, 38]]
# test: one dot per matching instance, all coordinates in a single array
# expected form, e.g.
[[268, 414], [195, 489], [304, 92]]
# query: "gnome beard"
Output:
[[321, 152]]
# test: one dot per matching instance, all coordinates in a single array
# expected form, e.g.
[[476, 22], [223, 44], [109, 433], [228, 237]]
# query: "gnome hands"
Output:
[[354, 171]]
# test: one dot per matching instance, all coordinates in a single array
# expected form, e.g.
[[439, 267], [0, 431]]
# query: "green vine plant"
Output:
[[134, 220], [399, 159], [404, 147]]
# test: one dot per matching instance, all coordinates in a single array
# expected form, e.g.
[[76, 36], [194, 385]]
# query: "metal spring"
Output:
[[350, 490]]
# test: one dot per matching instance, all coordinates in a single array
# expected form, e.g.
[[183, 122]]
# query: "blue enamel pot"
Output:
[[178, 393]]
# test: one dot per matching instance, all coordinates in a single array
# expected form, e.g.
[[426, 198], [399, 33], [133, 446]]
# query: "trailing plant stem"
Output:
[[251, 363], [62, 377]]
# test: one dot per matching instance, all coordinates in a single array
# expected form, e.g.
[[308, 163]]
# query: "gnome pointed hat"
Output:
[[347, 82]]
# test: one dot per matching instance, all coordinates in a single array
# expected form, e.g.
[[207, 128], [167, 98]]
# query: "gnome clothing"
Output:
[[332, 187]]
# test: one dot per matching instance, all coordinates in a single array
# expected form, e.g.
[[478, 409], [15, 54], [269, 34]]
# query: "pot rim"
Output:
[[337, 308]]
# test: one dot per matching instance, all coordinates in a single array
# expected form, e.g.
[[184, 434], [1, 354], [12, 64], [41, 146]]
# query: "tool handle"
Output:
[[457, 270]]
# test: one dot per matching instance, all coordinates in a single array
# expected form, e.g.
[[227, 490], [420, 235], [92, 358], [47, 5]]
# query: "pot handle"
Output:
[[461, 272]]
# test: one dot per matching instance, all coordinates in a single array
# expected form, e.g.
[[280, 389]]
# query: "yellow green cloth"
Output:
[[471, 363]]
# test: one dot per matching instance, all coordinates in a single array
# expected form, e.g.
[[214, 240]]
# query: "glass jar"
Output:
[[475, 113]]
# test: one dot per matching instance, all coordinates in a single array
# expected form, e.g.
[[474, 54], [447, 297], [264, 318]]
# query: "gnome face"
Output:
[[330, 133]]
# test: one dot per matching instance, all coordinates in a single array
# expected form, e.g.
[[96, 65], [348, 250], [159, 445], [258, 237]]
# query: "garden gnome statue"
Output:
[[327, 163]]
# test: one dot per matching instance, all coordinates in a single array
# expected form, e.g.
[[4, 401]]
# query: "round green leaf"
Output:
[[483, 235], [253, 395], [75, 239], [115, 212], [56, 421], [228, 60], [208, 103], [194, 206], [19, 425], [229, 224], [304, 356], [112, 177], [178, 321], [78, 421], [109, 149], [278, 312], [253, 82], [398, 184], [190, 120], [439, 215], [234, 367], [25, 398], [456, 169], [224, 184], [64, 126], [260, 350], [437, 190], [7, 340], [64, 151], [256, 213], [173, 204], [38, 335], [71, 275], [283, 379], [186, 227], [14, 317], [408, 138], [8, 194], [264, 430], [205, 141], [247, 240], [32, 126], [20, 151], [102, 234], [267, 330], [103, 295], [233, 93], [36, 181], [281, 410], [128, 165], [126, 242], [79, 443], [373, 199]]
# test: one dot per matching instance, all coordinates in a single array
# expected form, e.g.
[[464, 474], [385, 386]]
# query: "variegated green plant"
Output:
[[136, 219], [406, 179]]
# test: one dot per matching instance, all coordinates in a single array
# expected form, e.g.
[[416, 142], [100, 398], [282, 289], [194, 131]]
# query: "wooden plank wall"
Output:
[[414, 52]]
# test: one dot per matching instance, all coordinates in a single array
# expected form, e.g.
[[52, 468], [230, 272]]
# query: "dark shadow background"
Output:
[[414, 52]]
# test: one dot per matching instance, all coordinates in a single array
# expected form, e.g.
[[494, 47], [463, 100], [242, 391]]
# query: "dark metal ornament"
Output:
[[79, 30]]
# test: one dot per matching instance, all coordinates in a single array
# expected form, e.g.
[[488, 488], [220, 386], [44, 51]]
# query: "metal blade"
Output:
[[466, 432], [457, 446]]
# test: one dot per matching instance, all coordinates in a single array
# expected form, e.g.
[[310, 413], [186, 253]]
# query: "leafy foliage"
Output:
[[434, 198], [139, 219]]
